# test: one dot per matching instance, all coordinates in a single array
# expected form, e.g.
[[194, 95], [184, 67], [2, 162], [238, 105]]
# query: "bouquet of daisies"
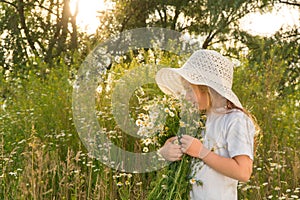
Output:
[[174, 181]]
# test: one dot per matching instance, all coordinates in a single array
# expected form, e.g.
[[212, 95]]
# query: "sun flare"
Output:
[[267, 24], [87, 17]]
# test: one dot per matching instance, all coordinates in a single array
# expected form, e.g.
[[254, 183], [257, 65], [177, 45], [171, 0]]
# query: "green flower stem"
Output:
[[177, 175]]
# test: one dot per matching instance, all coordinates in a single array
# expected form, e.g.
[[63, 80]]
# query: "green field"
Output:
[[42, 156]]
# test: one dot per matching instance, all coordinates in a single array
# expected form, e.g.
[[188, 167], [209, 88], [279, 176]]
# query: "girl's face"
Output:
[[198, 95]]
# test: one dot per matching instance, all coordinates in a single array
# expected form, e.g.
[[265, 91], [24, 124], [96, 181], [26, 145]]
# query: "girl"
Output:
[[226, 153]]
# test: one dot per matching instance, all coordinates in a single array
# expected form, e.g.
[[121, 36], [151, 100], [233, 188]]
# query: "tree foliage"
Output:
[[41, 29], [214, 21]]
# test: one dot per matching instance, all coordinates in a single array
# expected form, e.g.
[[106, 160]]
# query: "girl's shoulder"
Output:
[[229, 116], [237, 115]]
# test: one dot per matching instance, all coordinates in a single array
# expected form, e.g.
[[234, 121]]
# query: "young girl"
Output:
[[227, 148]]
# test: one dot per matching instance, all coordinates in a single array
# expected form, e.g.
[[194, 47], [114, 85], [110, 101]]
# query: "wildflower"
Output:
[[172, 107], [192, 181], [164, 99], [171, 114], [105, 158], [141, 115], [108, 88], [176, 142], [146, 108], [164, 187], [119, 184], [13, 173], [139, 183], [294, 196], [4, 105], [203, 117], [150, 125], [22, 141], [139, 122], [155, 141], [200, 124], [246, 187], [153, 115], [142, 131], [145, 149], [164, 176], [122, 174], [264, 184], [146, 117], [181, 124], [147, 141], [127, 182], [99, 89], [167, 110]]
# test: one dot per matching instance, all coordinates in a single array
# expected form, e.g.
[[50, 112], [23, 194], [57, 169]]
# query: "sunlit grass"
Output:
[[42, 157]]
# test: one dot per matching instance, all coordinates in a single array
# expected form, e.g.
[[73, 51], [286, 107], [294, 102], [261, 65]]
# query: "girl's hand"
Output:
[[170, 151], [193, 147]]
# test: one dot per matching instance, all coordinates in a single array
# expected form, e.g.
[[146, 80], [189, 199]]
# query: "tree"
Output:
[[293, 3], [212, 20], [36, 29]]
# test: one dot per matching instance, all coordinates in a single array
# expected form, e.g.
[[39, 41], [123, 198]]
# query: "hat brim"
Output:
[[169, 81]]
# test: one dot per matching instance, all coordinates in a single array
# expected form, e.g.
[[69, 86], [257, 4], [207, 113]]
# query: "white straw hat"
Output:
[[204, 67]]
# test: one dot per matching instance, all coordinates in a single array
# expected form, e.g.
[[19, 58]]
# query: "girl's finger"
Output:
[[182, 141], [182, 150], [176, 146]]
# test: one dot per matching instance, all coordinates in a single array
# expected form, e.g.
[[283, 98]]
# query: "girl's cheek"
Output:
[[203, 101], [189, 96]]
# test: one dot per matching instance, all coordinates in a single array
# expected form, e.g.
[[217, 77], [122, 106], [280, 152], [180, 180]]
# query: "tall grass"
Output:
[[42, 157]]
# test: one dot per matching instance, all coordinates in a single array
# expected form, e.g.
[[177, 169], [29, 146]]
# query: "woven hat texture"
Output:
[[204, 67]]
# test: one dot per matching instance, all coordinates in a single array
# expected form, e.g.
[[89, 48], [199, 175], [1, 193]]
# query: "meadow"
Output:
[[42, 156]]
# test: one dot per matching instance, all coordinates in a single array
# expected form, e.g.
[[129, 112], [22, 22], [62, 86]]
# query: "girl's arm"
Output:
[[238, 167]]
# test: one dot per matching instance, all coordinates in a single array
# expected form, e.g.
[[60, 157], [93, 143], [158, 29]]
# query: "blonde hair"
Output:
[[218, 101]]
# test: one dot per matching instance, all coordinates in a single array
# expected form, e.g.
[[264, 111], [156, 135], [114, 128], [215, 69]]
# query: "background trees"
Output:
[[213, 21], [36, 29]]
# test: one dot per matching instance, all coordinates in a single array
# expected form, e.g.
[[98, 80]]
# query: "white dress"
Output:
[[229, 134]]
